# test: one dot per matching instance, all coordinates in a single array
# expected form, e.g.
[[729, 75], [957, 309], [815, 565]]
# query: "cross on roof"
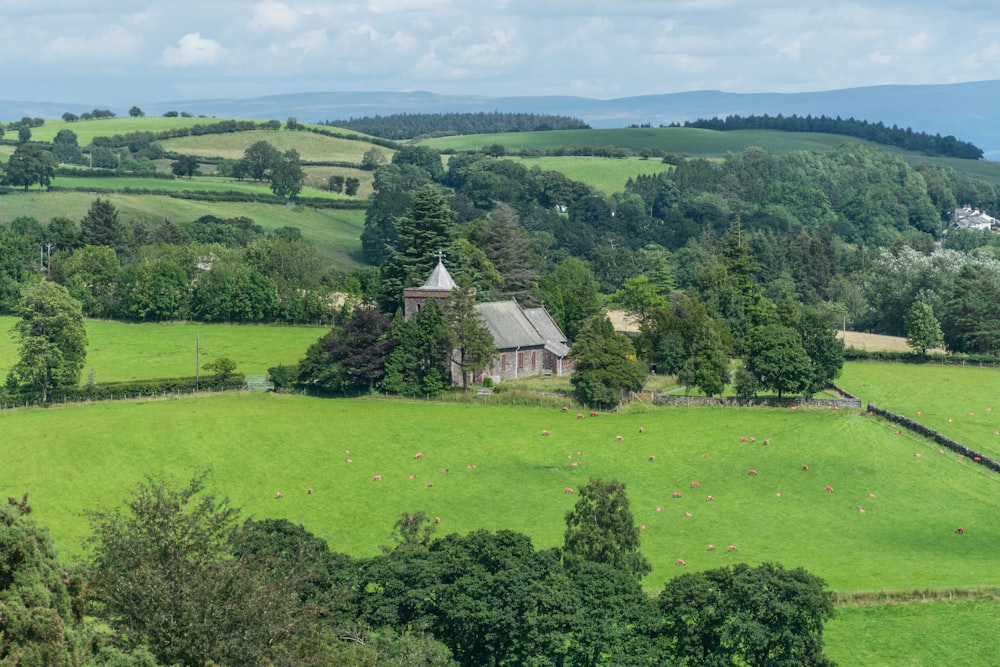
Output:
[[440, 255]]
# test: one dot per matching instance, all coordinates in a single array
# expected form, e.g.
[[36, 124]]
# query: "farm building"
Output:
[[972, 219], [528, 340]]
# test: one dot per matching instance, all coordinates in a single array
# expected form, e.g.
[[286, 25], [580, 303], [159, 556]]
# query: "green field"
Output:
[[197, 184], [608, 175], [336, 233], [311, 147], [123, 351], [689, 141], [962, 402], [70, 458], [956, 632]]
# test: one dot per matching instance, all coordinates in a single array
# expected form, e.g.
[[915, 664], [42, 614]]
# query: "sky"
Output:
[[128, 52]]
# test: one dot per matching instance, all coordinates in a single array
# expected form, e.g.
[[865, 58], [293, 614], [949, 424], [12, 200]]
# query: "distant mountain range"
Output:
[[968, 111]]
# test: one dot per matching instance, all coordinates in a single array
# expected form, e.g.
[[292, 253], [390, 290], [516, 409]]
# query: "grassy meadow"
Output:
[[962, 402], [311, 147], [123, 351], [608, 175], [336, 233], [74, 457], [938, 632]]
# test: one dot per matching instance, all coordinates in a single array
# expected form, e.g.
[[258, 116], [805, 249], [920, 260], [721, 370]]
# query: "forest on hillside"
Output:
[[412, 125], [907, 139]]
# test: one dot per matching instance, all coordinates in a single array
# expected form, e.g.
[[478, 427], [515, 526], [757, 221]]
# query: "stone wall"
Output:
[[917, 427]]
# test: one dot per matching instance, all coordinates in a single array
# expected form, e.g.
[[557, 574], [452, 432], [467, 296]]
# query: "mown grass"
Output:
[[124, 351], [311, 147], [336, 233], [957, 632], [86, 130], [608, 175], [72, 458], [940, 397]]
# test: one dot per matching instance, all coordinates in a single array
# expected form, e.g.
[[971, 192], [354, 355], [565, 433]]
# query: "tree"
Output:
[[222, 368], [352, 355], [51, 339], [152, 290], [335, 184], [776, 358], [41, 603], [600, 529], [287, 176], [606, 366], [185, 165], [70, 117], [821, 345], [27, 165], [509, 247], [65, 147], [470, 339], [23, 134], [163, 567], [373, 159], [136, 112], [707, 367], [102, 227], [259, 159], [570, 293], [763, 616], [415, 367], [92, 274], [351, 185], [923, 331], [427, 227]]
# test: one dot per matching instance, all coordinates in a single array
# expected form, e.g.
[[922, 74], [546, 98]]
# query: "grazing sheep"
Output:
[[652, 459], [806, 468], [709, 498], [976, 459], [565, 408], [687, 514], [640, 429], [569, 456], [861, 510], [575, 464], [618, 438], [732, 547], [437, 519], [278, 494], [377, 478], [412, 477], [430, 484], [659, 509], [917, 455], [871, 495], [779, 494], [579, 415], [743, 439], [642, 527], [752, 472], [348, 461], [347, 451], [309, 490], [677, 494], [568, 490], [829, 489], [544, 432], [418, 455], [695, 485], [711, 547], [753, 439], [960, 530], [593, 413], [767, 442], [680, 561], [445, 471]]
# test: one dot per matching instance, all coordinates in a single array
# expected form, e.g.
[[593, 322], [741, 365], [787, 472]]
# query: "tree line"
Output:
[[879, 132], [176, 576], [403, 126]]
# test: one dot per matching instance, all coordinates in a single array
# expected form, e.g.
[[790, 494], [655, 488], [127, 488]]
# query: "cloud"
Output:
[[193, 49], [110, 45], [274, 17]]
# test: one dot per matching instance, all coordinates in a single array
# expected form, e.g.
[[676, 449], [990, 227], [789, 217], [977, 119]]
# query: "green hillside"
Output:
[[608, 175]]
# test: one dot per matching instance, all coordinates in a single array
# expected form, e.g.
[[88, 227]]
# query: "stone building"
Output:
[[528, 340]]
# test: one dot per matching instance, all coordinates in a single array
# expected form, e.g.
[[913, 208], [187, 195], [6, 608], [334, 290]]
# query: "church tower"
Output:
[[438, 286]]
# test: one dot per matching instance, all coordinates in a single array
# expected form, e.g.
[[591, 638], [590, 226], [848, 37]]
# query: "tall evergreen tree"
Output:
[[102, 227], [427, 227], [472, 343]]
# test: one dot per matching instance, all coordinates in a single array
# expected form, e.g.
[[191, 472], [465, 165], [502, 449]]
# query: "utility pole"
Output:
[[48, 262], [197, 360]]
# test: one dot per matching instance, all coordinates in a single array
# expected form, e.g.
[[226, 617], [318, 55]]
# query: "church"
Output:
[[528, 340]]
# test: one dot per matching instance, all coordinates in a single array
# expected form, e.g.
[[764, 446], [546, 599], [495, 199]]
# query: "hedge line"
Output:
[[991, 360], [226, 196], [107, 391]]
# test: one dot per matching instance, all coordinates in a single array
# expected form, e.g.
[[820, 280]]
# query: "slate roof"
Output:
[[513, 327], [439, 279]]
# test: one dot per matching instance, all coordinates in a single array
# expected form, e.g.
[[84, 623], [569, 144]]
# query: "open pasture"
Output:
[[608, 175], [196, 184], [962, 402], [689, 141], [311, 147], [939, 632], [125, 351], [86, 130], [336, 233], [72, 458]]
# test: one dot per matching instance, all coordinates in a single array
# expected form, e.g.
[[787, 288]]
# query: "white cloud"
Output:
[[113, 44], [193, 49], [879, 58], [274, 17]]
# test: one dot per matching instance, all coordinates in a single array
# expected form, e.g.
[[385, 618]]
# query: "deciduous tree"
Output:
[[923, 331], [600, 529], [51, 340], [27, 165]]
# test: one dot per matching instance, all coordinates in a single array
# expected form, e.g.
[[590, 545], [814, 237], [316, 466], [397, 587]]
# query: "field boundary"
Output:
[[663, 399], [917, 427], [908, 596]]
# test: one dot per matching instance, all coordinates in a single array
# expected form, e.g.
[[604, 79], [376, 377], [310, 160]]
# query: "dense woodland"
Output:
[[400, 127], [175, 576], [907, 139]]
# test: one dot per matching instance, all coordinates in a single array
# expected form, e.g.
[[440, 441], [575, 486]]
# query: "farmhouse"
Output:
[[528, 340], [972, 219]]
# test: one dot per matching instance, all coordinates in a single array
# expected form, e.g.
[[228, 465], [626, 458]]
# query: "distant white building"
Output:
[[972, 219]]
